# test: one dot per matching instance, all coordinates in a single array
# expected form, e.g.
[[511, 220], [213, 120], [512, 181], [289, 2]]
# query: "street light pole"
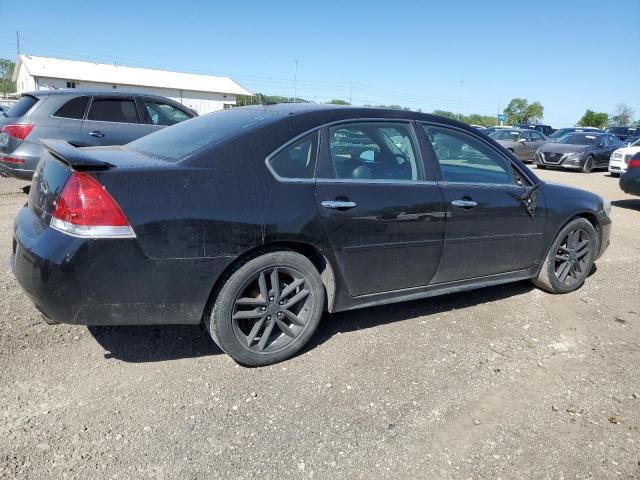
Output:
[[295, 83], [460, 113]]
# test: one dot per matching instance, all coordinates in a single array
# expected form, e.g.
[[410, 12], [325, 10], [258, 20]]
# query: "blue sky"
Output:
[[468, 57]]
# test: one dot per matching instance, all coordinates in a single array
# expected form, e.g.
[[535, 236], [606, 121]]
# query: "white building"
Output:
[[202, 93]]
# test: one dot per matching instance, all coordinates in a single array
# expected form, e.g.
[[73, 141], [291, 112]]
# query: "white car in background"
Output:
[[620, 158]]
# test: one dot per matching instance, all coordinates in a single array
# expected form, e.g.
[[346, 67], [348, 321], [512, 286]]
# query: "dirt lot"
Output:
[[506, 382]]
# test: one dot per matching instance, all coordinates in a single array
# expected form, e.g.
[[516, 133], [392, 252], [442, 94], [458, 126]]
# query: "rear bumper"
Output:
[[21, 162], [16, 170], [630, 182], [107, 282]]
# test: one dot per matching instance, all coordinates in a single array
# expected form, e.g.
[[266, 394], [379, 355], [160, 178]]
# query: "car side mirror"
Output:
[[522, 140]]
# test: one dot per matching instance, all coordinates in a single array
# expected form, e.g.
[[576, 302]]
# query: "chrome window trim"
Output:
[[478, 184], [281, 179], [117, 123], [380, 181]]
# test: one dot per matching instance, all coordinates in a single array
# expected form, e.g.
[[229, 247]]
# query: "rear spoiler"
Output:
[[74, 157]]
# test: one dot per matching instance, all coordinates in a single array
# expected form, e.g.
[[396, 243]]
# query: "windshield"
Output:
[[635, 144], [559, 133], [578, 139], [186, 138], [505, 135]]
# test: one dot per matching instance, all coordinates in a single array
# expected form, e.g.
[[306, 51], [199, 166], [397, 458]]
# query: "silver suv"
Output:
[[82, 118]]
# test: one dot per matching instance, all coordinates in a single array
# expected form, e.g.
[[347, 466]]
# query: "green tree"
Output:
[[6, 71], [519, 110], [336, 101], [391, 107], [445, 113], [622, 115], [483, 120], [593, 119]]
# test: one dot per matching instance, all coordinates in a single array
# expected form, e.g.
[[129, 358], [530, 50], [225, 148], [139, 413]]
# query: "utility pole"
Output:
[[18, 41], [460, 114], [295, 83]]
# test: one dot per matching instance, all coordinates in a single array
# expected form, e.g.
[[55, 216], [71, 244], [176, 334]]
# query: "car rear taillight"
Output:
[[634, 161], [18, 130], [85, 209], [12, 160]]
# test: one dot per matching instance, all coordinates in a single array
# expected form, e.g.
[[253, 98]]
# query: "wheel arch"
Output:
[[312, 253], [588, 215]]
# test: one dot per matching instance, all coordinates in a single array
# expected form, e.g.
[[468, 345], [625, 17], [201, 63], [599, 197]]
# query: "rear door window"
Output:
[[119, 110], [160, 113], [22, 106], [374, 151], [535, 136], [74, 108]]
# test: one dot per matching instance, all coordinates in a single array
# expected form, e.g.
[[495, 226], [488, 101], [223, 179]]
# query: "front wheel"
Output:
[[569, 259], [588, 165], [267, 309], [614, 174], [541, 167]]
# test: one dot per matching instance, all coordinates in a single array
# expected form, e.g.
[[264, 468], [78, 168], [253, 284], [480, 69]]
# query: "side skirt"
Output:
[[384, 298]]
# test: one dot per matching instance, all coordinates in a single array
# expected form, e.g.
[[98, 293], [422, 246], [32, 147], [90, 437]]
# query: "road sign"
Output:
[[502, 117]]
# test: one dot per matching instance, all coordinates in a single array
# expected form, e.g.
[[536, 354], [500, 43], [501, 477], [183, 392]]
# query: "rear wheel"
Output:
[[267, 309], [588, 165], [570, 258]]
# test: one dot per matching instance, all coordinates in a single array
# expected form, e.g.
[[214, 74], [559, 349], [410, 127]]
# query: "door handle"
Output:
[[338, 204], [464, 203], [96, 134]]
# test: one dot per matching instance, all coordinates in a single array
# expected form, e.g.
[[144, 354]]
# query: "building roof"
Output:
[[121, 75]]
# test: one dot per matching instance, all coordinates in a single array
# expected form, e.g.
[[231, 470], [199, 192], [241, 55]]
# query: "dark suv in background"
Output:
[[623, 133], [82, 118], [546, 130]]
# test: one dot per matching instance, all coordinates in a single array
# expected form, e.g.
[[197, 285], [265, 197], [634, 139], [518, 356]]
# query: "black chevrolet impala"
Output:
[[257, 220]]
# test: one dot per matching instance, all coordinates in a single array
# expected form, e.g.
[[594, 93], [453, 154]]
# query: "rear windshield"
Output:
[[22, 106], [184, 139]]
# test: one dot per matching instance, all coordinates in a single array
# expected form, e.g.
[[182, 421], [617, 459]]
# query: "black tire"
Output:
[[614, 174], [588, 165], [541, 167], [567, 265], [257, 324]]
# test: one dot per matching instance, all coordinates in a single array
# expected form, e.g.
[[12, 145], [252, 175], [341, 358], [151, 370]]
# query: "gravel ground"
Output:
[[505, 382]]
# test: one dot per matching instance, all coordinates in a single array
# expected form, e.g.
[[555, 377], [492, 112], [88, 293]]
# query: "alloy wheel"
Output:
[[572, 257], [272, 309]]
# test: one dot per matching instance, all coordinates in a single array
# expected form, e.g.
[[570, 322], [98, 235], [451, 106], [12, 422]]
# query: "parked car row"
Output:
[[582, 151], [576, 148], [82, 118]]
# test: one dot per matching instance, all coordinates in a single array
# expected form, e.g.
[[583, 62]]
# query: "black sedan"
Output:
[[582, 151], [630, 180], [257, 220]]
